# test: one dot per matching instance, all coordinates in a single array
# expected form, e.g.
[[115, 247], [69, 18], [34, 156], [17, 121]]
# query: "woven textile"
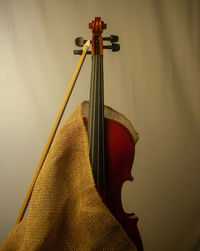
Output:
[[66, 212]]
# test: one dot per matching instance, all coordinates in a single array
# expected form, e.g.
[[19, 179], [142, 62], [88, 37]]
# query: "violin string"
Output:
[[95, 124], [91, 105], [98, 131], [102, 124]]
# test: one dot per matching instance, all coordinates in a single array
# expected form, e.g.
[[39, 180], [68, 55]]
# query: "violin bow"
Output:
[[53, 132]]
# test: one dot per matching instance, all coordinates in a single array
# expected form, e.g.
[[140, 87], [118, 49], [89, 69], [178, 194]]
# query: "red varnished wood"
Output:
[[120, 150]]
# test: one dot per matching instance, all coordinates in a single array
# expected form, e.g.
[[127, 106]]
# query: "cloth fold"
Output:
[[66, 212]]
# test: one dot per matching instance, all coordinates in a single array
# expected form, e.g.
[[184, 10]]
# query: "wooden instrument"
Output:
[[111, 145]]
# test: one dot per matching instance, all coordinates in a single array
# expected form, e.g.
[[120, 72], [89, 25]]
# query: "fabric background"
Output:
[[153, 80]]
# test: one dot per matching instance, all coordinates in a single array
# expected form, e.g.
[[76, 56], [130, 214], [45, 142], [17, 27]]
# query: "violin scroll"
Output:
[[97, 26]]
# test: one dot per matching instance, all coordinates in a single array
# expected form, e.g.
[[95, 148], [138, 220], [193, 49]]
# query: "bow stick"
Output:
[[53, 132]]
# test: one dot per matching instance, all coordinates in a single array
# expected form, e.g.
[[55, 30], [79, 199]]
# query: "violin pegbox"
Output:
[[97, 26]]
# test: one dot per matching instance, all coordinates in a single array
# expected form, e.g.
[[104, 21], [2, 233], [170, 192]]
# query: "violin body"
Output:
[[120, 151]]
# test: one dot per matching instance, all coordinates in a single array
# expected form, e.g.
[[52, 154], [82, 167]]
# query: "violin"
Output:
[[111, 145]]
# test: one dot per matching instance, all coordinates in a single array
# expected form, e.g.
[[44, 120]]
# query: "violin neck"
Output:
[[96, 122]]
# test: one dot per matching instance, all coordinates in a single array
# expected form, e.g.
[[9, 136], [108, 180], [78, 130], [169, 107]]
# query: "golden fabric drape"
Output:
[[66, 212]]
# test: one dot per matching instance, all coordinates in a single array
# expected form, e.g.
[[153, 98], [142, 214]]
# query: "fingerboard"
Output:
[[96, 122]]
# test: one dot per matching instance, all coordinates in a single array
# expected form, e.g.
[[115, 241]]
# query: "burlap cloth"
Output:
[[66, 212]]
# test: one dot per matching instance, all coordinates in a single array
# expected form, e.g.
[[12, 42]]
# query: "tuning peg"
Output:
[[114, 47], [112, 38], [79, 52], [79, 41]]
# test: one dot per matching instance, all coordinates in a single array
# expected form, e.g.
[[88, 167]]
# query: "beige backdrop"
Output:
[[153, 80]]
